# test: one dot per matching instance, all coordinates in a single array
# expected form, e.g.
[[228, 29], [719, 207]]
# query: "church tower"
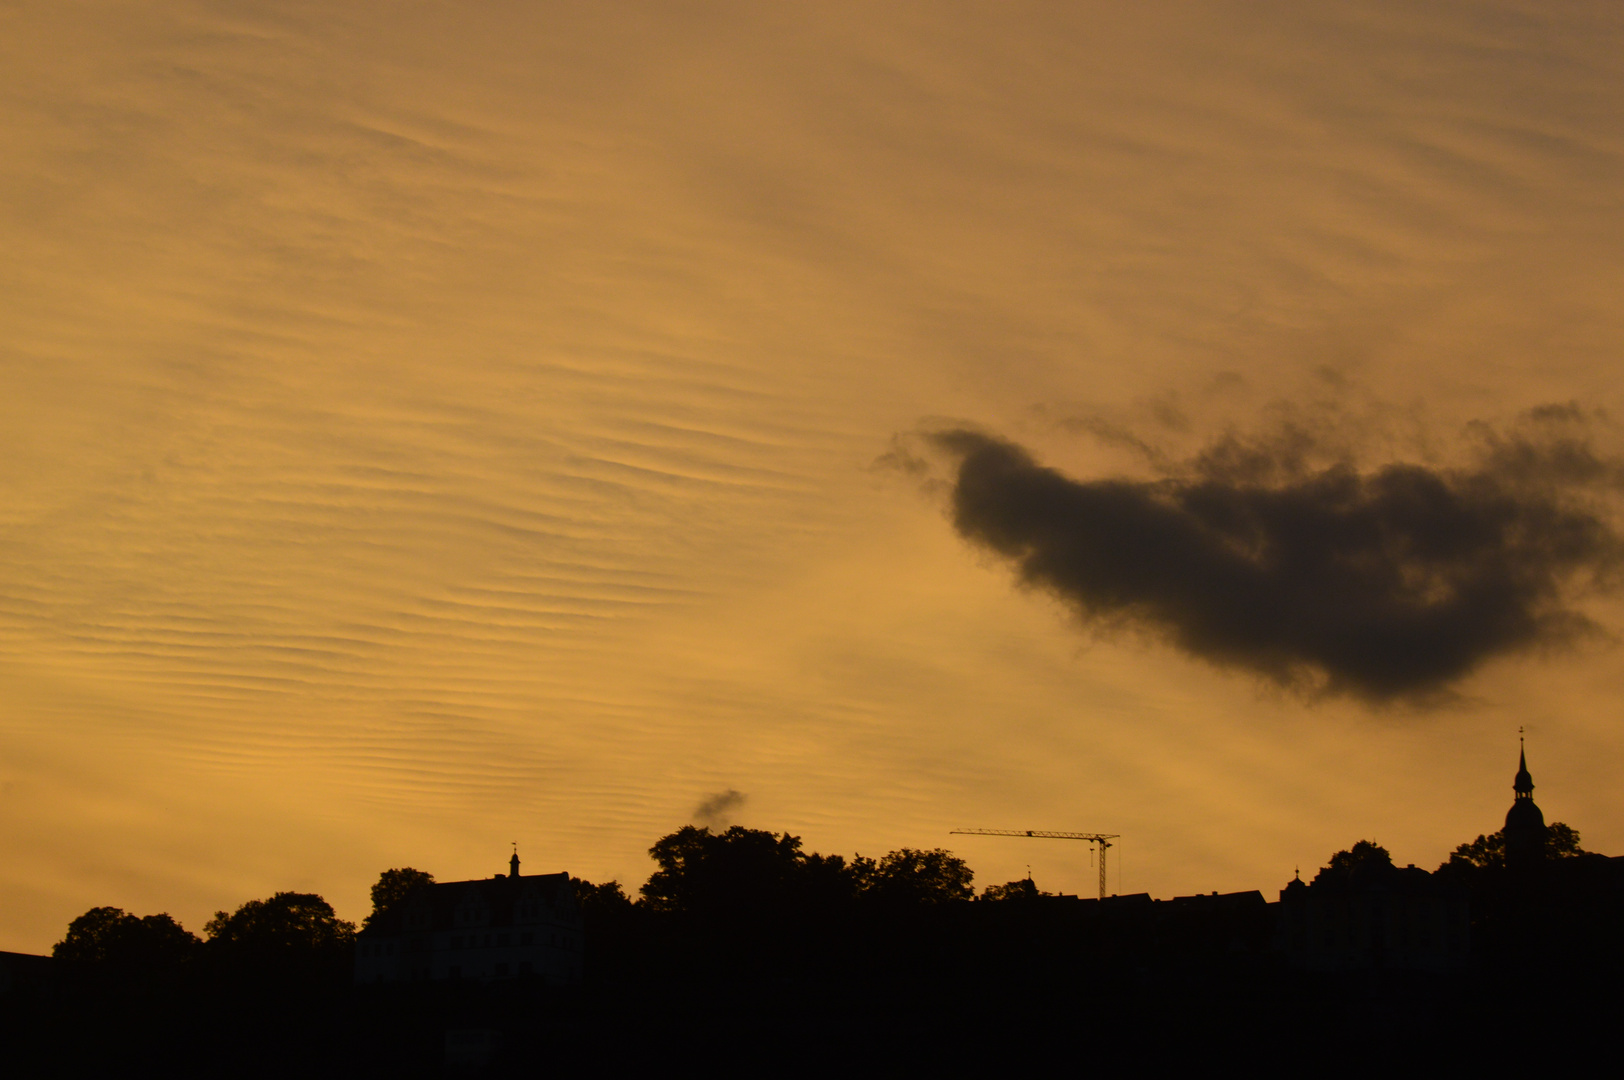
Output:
[[1525, 825]]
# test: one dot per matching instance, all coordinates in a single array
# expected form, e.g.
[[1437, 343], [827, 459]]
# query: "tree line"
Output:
[[291, 934], [736, 878], [742, 946], [748, 885]]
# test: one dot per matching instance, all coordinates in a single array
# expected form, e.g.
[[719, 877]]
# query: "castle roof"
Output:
[[494, 902]]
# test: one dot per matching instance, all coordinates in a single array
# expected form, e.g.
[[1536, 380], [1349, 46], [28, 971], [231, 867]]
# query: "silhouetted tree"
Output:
[[1364, 856], [1562, 841], [740, 869], [756, 871], [1024, 889], [292, 933], [393, 886], [1488, 852], [598, 901], [830, 881], [912, 876], [108, 937], [613, 927], [738, 901]]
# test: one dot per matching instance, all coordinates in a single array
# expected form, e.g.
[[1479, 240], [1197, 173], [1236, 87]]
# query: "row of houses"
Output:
[[1403, 919]]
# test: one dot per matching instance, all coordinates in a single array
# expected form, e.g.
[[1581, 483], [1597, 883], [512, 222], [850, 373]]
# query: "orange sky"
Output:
[[429, 426]]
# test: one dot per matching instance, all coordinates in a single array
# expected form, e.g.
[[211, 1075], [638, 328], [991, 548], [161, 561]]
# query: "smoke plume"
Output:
[[1384, 584], [716, 811]]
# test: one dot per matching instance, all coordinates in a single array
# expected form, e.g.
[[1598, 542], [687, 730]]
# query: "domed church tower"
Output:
[[1525, 825]]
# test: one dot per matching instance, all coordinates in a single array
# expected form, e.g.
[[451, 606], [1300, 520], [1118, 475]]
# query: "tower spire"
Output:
[[1523, 784], [1525, 825], [513, 863]]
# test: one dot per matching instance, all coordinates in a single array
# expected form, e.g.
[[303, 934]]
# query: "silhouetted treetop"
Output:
[[756, 871], [393, 886], [912, 876], [608, 896], [289, 928], [110, 937], [1023, 889], [1562, 841], [699, 870], [1363, 857], [1488, 852], [830, 879]]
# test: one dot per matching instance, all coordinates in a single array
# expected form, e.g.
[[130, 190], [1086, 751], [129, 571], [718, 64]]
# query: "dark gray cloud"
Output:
[[716, 811], [1382, 584]]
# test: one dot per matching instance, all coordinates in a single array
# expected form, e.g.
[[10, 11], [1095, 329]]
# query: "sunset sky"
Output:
[[430, 426]]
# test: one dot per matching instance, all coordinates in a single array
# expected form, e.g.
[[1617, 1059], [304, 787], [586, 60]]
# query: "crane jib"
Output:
[[1103, 840]]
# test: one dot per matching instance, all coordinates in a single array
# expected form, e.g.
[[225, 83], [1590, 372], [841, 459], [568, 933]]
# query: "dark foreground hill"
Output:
[[745, 954], [956, 992]]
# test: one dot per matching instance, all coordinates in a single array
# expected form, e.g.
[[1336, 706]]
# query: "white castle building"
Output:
[[504, 927]]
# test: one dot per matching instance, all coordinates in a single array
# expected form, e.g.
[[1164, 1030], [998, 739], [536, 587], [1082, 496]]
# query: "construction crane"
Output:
[[1102, 839]]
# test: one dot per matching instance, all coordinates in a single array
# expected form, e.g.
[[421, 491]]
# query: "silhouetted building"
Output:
[[1525, 824], [1545, 901], [505, 927], [22, 972], [1213, 924], [1374, 916]]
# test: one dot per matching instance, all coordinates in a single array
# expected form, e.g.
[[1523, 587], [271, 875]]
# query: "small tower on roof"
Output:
[[513, 863], [1525, 824]]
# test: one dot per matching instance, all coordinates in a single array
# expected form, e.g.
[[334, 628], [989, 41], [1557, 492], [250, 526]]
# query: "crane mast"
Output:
[[1103, 840]]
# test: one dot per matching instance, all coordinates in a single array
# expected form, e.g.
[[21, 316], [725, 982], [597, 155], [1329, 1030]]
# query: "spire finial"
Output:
[[513, 863]]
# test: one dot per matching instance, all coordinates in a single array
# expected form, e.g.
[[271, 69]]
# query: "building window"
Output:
[[501, 970], [456, 971], [527, 939], [456, 941], [524, 967], [504, 939]]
